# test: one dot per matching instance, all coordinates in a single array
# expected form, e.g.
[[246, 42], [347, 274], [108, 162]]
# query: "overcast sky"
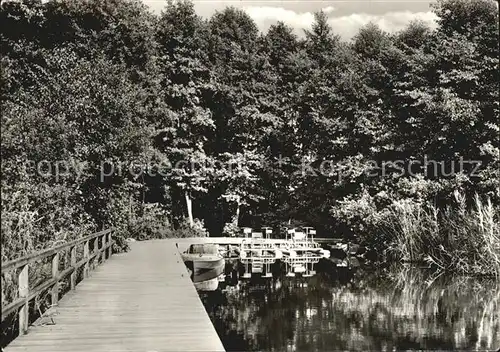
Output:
[[346, 17]]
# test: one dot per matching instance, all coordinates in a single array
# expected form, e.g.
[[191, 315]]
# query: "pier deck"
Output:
[[139, 301]]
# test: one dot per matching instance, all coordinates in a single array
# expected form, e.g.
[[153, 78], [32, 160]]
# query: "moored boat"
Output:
[[205, 265]]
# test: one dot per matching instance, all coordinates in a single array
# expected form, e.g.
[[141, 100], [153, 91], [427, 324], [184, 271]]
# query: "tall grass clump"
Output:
[[457, 238]]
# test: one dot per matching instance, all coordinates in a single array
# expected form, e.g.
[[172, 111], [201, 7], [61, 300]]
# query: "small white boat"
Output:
[[205, 265]]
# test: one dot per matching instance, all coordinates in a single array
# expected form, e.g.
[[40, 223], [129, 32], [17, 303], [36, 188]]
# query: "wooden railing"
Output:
[[102, 243]]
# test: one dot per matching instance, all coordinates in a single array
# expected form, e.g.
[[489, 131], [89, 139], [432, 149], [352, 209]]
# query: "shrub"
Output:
[[185, 230], [153, 224], [360, 215], [231, 229]]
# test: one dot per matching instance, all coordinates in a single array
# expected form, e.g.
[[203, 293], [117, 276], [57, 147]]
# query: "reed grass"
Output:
[[458, 238]]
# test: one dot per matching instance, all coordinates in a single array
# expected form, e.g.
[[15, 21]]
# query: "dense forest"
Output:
[[171, 124]]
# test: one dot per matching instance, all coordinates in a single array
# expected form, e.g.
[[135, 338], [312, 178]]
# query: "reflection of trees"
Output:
[[413, 310], [403, 310]]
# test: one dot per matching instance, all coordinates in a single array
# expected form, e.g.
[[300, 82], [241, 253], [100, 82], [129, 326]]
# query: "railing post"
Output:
[[95, 262], [103, 246], [73, 265], [110, 239], [23, 287], [86, 256], [55, 274]]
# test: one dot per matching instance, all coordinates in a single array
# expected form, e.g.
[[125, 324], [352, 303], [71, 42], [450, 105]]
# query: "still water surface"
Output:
[[342, 310]]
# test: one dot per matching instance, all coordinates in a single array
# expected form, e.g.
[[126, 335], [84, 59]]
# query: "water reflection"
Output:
[[407, 309]]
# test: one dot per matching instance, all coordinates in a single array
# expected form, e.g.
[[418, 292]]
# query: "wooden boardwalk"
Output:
[[141, 301]]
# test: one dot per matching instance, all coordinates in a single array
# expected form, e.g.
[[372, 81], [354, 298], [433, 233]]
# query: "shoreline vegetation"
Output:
[[107, 80], [454, 239]]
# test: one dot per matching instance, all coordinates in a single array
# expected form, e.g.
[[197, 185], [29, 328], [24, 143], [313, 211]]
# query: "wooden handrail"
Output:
[[101, 251], [19, 262]]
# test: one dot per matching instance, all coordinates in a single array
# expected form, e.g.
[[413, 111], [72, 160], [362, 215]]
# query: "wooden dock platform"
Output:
[[141, 301]]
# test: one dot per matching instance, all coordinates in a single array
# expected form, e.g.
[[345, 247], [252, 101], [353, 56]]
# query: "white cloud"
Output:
[[345, 26], [328, 9], [265, 16], [348, 26]]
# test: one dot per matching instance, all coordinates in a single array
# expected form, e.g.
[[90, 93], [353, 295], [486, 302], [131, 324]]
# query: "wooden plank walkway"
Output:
[[141, 301]]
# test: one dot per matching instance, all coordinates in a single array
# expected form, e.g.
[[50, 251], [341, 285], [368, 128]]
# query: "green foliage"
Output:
[[231, 229], [62, 106], [455, 239], [186, 230], [153, 224]]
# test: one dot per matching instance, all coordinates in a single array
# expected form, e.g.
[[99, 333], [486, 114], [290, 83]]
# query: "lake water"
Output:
[[344, 310]]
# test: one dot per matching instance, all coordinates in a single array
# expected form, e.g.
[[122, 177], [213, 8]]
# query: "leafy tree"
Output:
[[187, 84]]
